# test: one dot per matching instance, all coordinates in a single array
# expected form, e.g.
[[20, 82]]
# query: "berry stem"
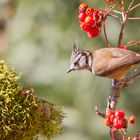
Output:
[[118, 12], [99, 113], [115, 134], [122, 2], [112, 134], [121, 8]]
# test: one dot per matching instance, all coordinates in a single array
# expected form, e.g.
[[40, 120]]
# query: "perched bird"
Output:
[[113, 63]]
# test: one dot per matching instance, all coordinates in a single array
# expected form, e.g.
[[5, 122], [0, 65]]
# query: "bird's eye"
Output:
[[75, 63]]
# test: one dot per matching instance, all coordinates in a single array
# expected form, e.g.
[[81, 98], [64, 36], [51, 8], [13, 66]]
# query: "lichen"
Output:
[[23, 114]]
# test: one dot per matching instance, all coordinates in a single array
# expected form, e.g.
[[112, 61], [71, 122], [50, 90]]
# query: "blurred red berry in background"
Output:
[[132, 119]]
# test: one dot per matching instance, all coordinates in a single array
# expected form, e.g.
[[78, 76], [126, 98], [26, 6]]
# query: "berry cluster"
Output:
[[117, 119], [89, 20]]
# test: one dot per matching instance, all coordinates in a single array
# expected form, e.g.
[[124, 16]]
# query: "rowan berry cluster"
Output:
[[89, 20], [117, 119]]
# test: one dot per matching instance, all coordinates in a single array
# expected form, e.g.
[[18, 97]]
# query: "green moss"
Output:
[[23, 114]]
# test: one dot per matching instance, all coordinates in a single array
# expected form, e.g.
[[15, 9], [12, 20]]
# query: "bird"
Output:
[[113, 63]]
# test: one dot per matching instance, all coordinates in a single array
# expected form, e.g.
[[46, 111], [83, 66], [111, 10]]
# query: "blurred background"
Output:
[[37, 37]]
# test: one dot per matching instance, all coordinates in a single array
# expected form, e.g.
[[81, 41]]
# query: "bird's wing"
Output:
[[124, 61], [110, 60], [116, 59], [121, 58]]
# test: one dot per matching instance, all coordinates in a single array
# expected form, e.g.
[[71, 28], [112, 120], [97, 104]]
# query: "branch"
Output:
[[115, 94], [121, 34], [124, 18], [132, 76], [106, 38]]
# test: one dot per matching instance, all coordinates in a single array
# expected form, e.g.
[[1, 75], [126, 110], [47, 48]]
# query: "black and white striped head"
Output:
[[79, 59]]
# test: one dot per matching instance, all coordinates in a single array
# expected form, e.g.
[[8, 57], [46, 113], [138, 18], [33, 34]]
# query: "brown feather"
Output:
[[115, 62]]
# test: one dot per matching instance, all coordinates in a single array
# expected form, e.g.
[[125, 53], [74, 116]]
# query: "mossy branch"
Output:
[[23, 114]]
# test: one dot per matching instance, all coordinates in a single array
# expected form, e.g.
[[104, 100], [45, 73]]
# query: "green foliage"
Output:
[[23, 115]]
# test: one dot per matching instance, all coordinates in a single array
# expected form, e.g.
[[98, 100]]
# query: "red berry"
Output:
[[118, 123], [82, 17], [109, 0], [94, 32], [98, 24], [110, 118], [110, 113], [89, 11], [123, 47], [89, 20], [109, 121], [119, 113], [83, 7], [96, 15], [85, 27], [132, 119]]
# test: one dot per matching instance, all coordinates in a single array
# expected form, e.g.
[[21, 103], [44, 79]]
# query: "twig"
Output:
[[136, 18], [133, 7], [109, 9], [118, 12], [124, 135], [114, 16], [130, 4], [99, 113], [132, 76]]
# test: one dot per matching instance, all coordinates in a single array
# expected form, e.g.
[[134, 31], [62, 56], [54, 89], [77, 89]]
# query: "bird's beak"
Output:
[[69, 70]]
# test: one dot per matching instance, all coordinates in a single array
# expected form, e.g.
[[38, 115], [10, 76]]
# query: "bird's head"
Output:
[[79, 59]]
